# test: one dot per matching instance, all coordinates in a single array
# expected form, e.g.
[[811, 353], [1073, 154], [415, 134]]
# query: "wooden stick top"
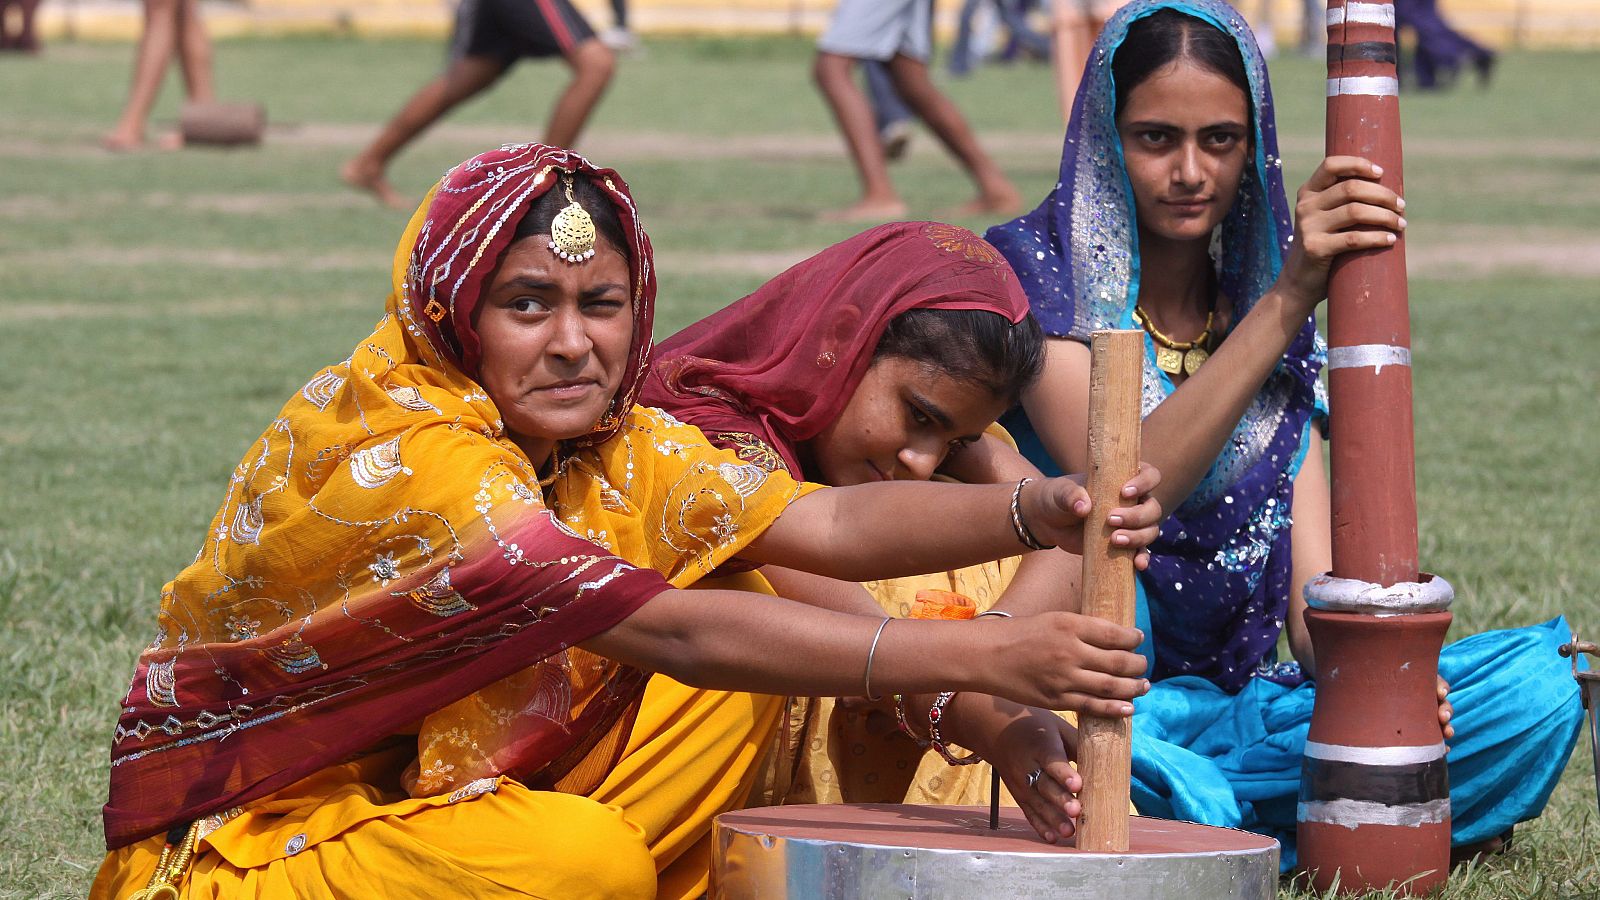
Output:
[[1105, 752], [1115, 374]]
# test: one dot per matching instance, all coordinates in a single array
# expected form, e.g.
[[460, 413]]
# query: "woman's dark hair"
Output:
[[593, 200], [972, 345], [1166, 35]]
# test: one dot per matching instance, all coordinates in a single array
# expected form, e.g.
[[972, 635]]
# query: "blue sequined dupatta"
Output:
[[1219, 579]]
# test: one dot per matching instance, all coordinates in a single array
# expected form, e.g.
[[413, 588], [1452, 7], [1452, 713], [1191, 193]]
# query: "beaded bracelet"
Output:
[[1020, 527], [935, 715], [900, 718]]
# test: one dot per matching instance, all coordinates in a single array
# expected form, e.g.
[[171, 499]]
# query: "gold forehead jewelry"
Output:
[[572, 230]]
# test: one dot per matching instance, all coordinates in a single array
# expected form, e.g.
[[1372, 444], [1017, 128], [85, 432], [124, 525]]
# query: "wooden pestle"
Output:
[[1105, 753]]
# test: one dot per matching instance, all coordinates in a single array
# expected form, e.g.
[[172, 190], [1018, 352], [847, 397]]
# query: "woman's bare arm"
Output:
[[1311, 538], [1311, 545], [887, 530], [730, 640], [821, 592], [1183, 435], [1186, 432], [1047, 581]]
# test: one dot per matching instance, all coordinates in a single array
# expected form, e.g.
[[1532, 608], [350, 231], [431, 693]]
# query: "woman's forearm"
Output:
[[1186, 432], [1310, 543], [730, 640], [1045, 581], [891, 529], [1183, 435], [823, 593]]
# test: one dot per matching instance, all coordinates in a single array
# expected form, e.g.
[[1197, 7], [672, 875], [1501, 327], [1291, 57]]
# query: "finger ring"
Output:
[[1034, 776]]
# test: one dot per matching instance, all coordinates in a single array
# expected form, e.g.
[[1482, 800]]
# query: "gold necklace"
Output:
[[1174, 356]]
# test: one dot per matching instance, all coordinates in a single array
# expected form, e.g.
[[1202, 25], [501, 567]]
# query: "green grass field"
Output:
[[157, 309]]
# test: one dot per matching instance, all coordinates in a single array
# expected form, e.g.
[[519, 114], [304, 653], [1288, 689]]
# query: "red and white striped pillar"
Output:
[[1374, 798]]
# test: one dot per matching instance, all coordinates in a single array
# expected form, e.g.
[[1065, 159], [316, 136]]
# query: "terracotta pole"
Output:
[[1369, 321], [1374, 795], [1105, 753]]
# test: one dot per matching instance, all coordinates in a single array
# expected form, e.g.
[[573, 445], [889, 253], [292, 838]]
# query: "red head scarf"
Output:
[[468, 226], [782, 363]]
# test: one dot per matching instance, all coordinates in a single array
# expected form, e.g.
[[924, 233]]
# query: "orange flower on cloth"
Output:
[[932, 603]]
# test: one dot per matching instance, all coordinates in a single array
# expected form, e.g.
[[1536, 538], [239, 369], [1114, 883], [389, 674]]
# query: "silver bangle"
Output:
[[994, 612], [1020, 527], [866, 680]]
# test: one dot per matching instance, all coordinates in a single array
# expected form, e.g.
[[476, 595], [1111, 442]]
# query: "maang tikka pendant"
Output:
[[572, 232]]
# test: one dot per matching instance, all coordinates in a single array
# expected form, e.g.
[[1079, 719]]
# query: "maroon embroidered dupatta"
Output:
[[770, 371], [384, 549]]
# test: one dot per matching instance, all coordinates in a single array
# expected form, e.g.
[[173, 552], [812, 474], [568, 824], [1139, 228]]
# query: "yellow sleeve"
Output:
[[999, 432], [659, 494]]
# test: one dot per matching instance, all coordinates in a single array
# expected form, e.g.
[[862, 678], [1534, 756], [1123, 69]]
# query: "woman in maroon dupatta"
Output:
[[470, 511], [887, 356]]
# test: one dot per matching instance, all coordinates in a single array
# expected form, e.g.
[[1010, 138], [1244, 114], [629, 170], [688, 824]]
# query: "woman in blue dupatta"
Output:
[[1170, 215]]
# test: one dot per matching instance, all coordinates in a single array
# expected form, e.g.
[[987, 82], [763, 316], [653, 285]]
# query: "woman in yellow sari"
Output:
[[410, 655]]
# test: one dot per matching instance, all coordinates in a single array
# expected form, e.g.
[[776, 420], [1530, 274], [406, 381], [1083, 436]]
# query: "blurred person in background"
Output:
[[618, 37], [891, 114], [897, 33], [23, 39], [489, 37], [169, 26], [1313, 27], [972, 42], [1077, 24], [1439, 50]]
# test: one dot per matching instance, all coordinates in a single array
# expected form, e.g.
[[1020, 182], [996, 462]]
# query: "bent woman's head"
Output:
[[938, 379], [868, 361], [556, 331]]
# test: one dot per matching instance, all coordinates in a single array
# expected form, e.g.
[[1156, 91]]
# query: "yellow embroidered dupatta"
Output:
[[384, 548], [658, 495]]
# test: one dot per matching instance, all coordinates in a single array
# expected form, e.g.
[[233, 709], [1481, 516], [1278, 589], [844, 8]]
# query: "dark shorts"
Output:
[[508, 30]]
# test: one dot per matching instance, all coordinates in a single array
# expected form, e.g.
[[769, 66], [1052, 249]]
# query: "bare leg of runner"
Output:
[[156, 43], [879, 201], [592, 66], [194, 61], [28, 38], [24, 39], [194, 54], [464, 78], [1074, 34], [996, 194]]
